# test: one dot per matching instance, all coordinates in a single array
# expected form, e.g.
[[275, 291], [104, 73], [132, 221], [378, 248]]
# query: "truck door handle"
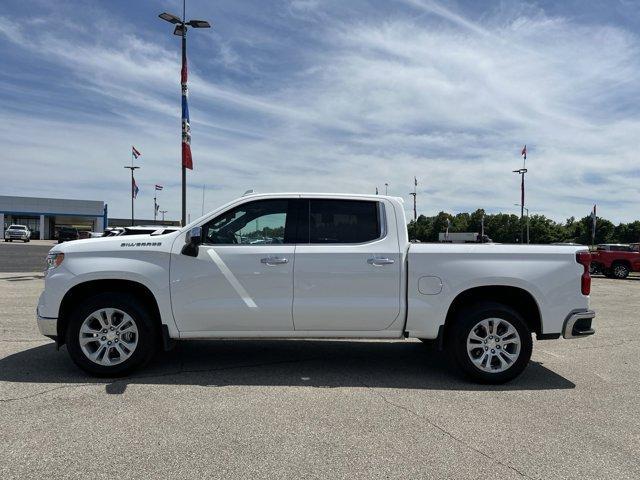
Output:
[[274, 260], [380, 261]]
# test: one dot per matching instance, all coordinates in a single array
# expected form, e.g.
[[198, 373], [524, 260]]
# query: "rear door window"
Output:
[[344, 221]]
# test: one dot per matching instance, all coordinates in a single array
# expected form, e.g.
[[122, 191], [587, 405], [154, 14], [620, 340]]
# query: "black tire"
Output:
[[595, 268], [607, 272], [620, 271], [461, 327], [148, 334]]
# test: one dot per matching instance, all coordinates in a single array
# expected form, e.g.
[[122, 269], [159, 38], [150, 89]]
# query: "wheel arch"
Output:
[[93, 287], [517, 298], [622, 261]]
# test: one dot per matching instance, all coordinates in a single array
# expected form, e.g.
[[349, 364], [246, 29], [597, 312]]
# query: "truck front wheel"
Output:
[[490, 342], [111, 334]]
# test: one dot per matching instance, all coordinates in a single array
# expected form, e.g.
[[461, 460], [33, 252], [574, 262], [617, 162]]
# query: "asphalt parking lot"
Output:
[[321, 409], [24, 257]]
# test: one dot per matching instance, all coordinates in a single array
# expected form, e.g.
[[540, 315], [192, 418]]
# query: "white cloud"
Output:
[[360, 101]]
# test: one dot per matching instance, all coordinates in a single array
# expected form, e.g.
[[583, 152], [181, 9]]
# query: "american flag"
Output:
[[134, 188], [187, 161], [524, 152], [135, 152], [158, 187]]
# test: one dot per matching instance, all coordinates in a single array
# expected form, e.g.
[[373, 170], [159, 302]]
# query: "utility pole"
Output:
[[181, 30], [134, 187], [386, 188], [163, 212], [522, 171], [155, 208], [414, 195]]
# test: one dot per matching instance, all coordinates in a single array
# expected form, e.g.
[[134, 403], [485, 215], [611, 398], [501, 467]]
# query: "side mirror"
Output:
[[194, 237], [191, 242]]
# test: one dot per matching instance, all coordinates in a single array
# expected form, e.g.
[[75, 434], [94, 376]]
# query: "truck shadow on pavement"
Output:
[[311, 363]]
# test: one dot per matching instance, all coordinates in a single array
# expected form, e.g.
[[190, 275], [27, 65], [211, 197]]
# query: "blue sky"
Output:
[[310, 95]]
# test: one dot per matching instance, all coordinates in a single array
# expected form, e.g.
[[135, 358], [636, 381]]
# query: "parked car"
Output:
[[463, 237], [149, 230], [17, 232], [615, 260], [66, 234], [84, 234], [344, 269], [139, 230], [112, 232]]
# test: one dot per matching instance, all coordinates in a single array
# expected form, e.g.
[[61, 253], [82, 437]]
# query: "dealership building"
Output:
[[45, 216]]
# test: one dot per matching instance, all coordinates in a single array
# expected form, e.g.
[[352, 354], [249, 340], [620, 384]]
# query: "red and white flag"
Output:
[[524, 152], [159, 187], [187, 160], [135, 152]]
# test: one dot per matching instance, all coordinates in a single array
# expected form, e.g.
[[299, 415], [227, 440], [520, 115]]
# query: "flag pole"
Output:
[[184, 168]]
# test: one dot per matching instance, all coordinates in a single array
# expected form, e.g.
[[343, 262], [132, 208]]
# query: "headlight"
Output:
[[54, 259]]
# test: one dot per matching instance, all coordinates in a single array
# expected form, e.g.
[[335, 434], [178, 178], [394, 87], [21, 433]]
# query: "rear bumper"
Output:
[[578, 324]]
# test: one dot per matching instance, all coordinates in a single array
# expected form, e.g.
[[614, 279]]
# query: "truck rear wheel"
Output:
[[111, 334], [620, 270], [490, 342]]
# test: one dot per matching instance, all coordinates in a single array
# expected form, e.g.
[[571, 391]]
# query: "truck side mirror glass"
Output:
[[191, 242], [194, 237]]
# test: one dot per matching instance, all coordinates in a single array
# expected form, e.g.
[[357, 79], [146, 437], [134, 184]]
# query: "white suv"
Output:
[[17, 232]]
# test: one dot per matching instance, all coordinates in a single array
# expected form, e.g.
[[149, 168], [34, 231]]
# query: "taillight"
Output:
[[584, 259]]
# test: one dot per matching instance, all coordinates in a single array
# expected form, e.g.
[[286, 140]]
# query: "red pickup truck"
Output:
[[616, 260]]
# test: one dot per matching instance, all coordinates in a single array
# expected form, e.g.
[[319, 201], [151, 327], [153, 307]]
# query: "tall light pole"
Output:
[[181, 30], [163, 212], [386, 188], [527, 210], [134, 187]]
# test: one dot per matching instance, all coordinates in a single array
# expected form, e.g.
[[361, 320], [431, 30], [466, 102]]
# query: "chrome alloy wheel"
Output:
[[620, 271], [108, 336], [493, 345]]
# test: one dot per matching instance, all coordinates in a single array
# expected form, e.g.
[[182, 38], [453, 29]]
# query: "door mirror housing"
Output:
[[194, 236], [191, 242]]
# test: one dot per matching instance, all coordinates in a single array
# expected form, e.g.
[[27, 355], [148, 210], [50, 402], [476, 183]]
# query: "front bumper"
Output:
[[47, 326], [578, 324]]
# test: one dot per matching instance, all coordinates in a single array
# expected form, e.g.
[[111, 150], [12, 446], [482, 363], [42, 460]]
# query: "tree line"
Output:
[[509, 228]]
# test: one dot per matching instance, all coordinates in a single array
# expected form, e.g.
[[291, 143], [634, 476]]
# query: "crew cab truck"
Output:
[[310, 266], [615, 260]]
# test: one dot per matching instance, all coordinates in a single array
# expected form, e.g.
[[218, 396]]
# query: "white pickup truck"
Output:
[[311, 266]]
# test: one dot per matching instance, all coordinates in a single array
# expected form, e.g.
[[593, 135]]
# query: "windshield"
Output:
[[17, 227]]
